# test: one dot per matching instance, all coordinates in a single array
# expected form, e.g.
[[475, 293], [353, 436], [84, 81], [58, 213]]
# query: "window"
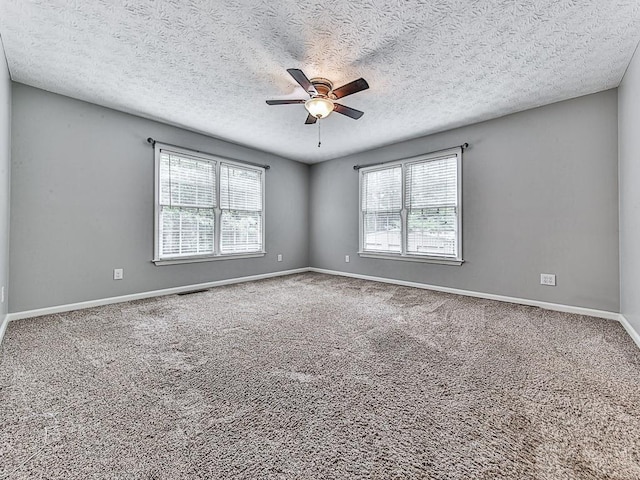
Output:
[[412, 210], [206, 207], [241, 204]]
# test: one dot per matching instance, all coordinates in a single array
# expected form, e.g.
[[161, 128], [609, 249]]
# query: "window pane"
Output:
[[186, 231], [241, 231], [240, 188], [432, 183], [186, 181], [382, 232], [382, 190], [432, 231]]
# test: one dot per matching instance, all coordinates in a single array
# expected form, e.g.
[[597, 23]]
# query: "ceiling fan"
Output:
[[323, 96]]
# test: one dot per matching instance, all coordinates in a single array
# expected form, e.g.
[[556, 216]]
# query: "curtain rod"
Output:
[[153, 143], [463, 146]]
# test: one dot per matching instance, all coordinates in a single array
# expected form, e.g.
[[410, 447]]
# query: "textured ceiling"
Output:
[[209, 65]]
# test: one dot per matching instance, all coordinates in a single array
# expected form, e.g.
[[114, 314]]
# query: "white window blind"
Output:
[[411, 208], [431, 190], [241, 204], [187, 202], [381, 209], [206, 207]]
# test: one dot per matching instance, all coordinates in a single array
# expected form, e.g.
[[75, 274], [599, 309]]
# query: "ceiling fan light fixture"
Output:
[[319, 107], [323, 97]]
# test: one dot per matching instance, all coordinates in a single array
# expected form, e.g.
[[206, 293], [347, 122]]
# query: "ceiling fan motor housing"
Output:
[[322, 86]]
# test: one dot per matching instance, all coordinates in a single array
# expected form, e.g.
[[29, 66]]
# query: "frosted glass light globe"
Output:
[[319, 107]]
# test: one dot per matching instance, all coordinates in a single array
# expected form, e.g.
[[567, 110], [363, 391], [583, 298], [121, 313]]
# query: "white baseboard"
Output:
[[633, 333], [170, 291], [137, 296], [488, 296]]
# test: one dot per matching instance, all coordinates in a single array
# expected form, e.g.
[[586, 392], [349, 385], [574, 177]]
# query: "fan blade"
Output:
[[302, 79], [351, 88], [284, 102], [310, 120], [348, 111]]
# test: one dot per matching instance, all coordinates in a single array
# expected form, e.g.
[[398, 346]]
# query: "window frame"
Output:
[[403, 255], [218, 161]]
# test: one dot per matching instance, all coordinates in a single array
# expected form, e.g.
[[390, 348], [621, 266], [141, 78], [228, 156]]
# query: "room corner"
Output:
[[629, 196], [5, 182]]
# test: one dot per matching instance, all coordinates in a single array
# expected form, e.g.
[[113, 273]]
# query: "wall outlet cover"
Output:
[[279, 257], [347, 259], [118, 273], [548, 279]]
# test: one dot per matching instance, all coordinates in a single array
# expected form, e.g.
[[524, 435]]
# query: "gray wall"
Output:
[[5, 172], [628, 131], [82, 204], [540, 195]]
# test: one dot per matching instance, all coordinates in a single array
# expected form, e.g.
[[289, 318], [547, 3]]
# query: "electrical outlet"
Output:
[[118, 273], [2, 295], [347, 259], [279, 257], [548, 279]]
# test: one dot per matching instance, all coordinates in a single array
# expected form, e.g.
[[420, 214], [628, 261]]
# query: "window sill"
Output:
[[412, 258], [212, 258]]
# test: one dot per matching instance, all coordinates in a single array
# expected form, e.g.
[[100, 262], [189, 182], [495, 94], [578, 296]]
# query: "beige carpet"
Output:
[[319, 377]]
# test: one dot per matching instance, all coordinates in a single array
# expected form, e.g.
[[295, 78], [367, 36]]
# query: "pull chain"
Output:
[[319, 141]]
